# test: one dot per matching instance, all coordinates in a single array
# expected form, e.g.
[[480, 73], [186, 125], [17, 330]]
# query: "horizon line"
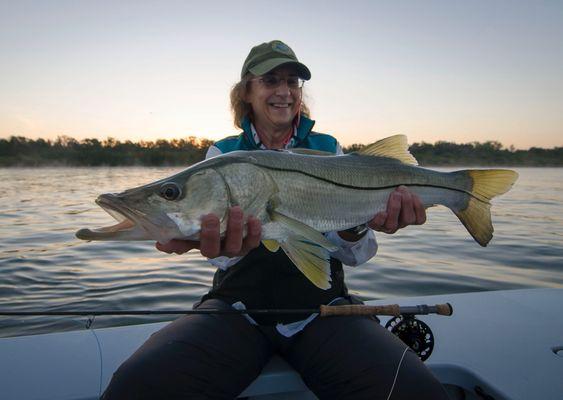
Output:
[[203, 139]]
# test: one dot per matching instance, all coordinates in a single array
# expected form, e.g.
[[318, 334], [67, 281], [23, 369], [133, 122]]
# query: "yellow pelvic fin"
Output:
[[395, 147], [476, 217], [271, 245], [311, 259], [307, 248], [303, 230]]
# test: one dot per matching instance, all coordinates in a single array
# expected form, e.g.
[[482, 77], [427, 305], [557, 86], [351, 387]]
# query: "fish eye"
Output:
[[170, 191]]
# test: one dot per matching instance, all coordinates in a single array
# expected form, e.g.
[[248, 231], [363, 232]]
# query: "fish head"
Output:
[[168, 209]]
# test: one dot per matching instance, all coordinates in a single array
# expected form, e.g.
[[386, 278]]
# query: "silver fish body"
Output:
[[297, 196]]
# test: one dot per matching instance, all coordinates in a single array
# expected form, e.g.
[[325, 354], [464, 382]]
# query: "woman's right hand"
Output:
[[210, 244]]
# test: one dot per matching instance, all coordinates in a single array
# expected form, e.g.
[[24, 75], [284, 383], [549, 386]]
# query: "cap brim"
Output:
[[268, 65]]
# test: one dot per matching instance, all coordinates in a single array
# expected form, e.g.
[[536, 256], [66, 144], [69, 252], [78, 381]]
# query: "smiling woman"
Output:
[[275, 104], [216, 357], [257, 82]]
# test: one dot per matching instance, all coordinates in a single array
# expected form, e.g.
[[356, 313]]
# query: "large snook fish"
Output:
[[297, 195]]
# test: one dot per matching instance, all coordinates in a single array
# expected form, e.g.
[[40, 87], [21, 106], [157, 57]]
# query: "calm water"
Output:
[[43, 266]]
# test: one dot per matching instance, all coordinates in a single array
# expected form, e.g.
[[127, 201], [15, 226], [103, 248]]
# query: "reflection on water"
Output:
[[44, 267]]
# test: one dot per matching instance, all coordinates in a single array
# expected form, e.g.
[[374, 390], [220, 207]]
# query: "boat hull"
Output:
[[506, 344]]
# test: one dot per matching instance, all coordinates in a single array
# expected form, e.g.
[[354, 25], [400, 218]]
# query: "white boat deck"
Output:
[[507, 343]]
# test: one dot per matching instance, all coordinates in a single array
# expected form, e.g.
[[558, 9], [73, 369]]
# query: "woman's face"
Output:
[[275, 102]]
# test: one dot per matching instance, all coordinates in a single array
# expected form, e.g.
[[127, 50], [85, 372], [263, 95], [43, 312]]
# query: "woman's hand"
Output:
[[211, 245], [403, 208]]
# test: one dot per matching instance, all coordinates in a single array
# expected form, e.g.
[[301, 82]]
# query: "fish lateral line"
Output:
[[344, 185]]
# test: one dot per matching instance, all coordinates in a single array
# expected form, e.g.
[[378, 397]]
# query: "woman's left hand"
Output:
[[403, 208]]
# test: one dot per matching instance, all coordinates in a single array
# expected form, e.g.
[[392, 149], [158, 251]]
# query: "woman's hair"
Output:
[[241, 108]]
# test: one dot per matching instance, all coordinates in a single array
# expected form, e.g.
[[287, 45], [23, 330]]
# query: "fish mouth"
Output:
[[131, 224]]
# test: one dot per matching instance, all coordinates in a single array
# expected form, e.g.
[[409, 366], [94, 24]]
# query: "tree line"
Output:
[[66, 151]]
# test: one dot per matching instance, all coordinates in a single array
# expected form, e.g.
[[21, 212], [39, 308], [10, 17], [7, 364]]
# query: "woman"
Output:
[[218, 356]]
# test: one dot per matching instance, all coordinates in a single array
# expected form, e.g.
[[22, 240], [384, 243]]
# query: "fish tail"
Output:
[[486, 184]]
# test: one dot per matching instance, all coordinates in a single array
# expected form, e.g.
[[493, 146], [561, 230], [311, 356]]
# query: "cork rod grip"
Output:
[[444, 309], [392, 309]]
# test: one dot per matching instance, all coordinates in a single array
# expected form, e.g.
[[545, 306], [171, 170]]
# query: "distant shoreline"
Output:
[[18, 151]]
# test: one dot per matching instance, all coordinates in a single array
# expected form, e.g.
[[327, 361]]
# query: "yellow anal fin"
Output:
[[311, 259], [271, 245], [396, 147]]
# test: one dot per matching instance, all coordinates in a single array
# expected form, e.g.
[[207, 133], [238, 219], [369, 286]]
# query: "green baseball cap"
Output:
[[267, 56]]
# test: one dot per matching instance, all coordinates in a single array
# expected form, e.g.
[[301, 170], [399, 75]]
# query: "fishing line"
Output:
[[397, 373]]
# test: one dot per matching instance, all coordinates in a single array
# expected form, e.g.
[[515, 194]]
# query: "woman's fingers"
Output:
[[404, 208], [377, 223], [234, 244], [235, 230], [210, 237], [407, 215], [253, 234], [393, 212], [177, 246], [419, 210]]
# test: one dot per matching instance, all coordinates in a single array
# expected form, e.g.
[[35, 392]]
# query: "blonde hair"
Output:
[[240, 108]]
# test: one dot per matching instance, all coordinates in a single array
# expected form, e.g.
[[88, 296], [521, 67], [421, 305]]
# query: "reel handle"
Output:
[[445, 309]]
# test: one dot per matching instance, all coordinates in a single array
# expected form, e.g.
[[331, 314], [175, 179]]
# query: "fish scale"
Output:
[[326, 207]]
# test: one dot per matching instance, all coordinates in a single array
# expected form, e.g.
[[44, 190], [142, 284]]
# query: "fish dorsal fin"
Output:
[[309, 152], [395, 147]]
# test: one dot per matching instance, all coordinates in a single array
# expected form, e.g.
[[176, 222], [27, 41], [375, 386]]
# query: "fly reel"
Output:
[[414, 333]]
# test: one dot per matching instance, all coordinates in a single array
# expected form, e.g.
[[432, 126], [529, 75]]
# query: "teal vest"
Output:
[[306, 138]]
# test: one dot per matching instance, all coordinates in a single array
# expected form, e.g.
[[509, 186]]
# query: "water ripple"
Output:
[[44, 267]]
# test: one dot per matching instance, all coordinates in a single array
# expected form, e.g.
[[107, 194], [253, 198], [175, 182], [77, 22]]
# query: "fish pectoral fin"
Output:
[[305, 231], [310, 258], [395, 147], [272, 245]]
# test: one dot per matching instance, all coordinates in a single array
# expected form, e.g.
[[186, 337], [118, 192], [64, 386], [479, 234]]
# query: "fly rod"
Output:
[[324, 311]]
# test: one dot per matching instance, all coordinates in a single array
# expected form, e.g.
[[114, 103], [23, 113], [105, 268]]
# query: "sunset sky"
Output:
[[433, 70]]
